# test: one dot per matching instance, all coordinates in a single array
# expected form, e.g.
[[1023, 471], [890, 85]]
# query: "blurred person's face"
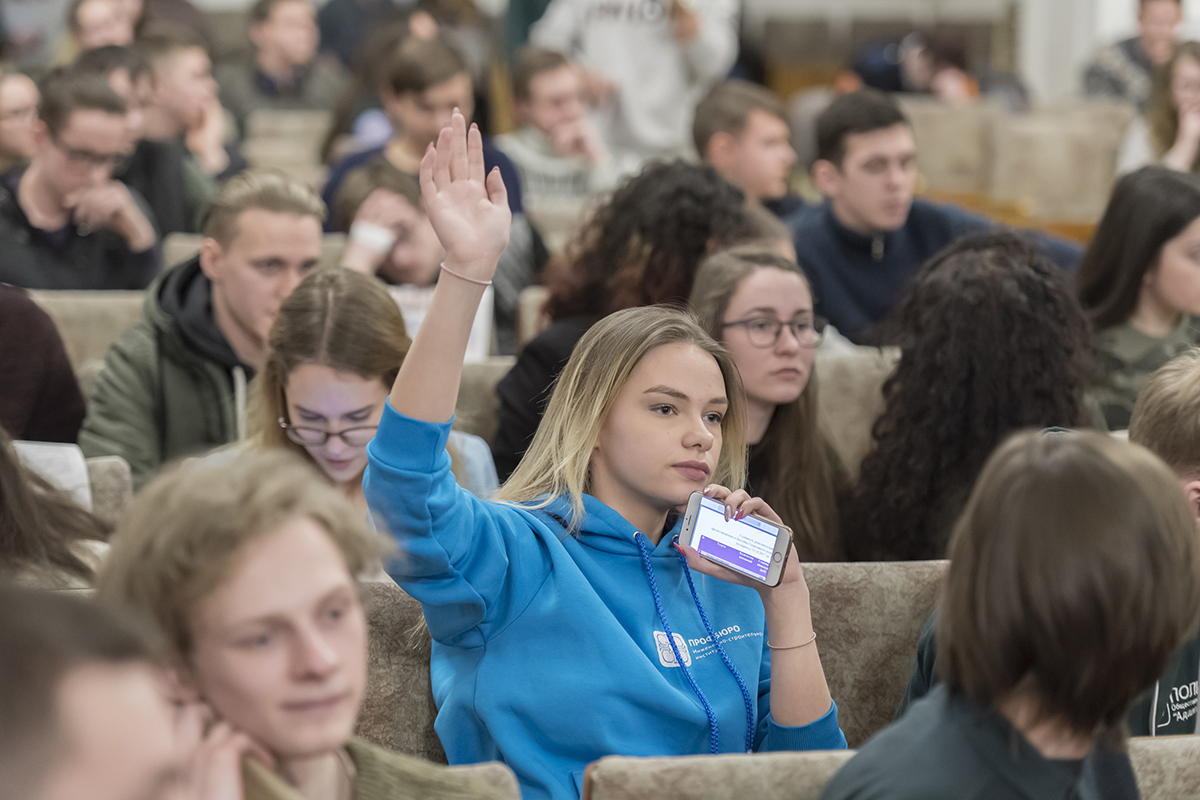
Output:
[[1185, 84], [118, 736], [135, 97], [555, 98], [320, 398], [758, 159], [289, 35], [84, 153], [873, 188], [268, 256], [281, 646], [417, 254], [103, 22], [184, 85], [1158, 24], [18, 116], [130, 10], [1174, 283], [420, 116]]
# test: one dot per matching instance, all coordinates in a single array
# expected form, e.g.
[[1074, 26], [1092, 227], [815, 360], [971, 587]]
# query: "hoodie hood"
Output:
[[185, 298], [606, 530]]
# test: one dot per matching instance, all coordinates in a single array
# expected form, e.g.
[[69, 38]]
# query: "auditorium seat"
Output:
[[954, 143], [1167, 767], [762, 776], [112, 487], [90, 321], [477, 404], [850, 398], [531, 320]]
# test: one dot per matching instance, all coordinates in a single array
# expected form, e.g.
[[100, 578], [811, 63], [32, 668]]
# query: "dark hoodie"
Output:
[[171, 385]]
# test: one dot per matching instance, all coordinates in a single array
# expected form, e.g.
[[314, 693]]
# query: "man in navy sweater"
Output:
[[862, 246]]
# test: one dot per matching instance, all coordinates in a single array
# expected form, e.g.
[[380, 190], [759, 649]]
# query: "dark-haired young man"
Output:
[[741, 129], [862, 246], [65, 223]]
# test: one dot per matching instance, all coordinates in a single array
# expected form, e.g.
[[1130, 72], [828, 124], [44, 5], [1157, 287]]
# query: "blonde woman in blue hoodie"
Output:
[[567, 625]]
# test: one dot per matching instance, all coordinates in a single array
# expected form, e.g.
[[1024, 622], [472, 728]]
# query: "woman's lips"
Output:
[[692, 470], [339, 464], [318, 706]]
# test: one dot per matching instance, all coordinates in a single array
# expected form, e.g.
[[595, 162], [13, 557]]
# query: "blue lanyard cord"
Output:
[[737, 676], [713, 735]]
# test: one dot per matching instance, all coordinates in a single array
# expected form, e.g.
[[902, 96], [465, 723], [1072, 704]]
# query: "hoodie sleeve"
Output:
[[473, 565], [712, 54], [823, 733], [559, 28]]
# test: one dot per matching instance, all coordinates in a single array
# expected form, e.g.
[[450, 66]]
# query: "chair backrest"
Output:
[[398, 710], [868, 618], [475, 411], [496, 775], [112, 487], [1167, 767], [851, 399], [531, 320], [763, 776], [179, 247], [90, 321], [954, 143]]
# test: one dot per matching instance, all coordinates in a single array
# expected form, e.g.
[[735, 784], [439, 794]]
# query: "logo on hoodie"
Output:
[[666, 656]]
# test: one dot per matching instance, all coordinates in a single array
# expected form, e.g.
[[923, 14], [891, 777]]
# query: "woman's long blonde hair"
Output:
[[805, 474], [557, 463], [1162, 117]]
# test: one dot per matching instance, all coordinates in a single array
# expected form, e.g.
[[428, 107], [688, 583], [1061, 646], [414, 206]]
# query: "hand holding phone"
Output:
[[754, 546]]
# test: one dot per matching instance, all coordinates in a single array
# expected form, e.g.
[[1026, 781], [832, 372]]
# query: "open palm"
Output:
[[467, 207]]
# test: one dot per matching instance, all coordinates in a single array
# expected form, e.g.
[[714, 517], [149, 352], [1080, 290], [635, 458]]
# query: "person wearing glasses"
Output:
[[18, 117], [175, 384], [334, 351], [760, 306], [65, 223]]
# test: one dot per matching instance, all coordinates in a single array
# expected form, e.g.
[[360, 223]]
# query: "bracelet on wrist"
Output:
[[462, 277], [812, 639]]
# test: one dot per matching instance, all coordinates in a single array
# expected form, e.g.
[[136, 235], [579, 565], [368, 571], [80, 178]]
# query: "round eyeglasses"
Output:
[[765, 331], [315, 437]]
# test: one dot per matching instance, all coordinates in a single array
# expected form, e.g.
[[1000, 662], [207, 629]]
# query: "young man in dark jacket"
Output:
[[65, 223], [175, 384]]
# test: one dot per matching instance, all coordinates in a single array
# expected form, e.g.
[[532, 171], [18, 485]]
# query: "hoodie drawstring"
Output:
[[239, 401], [714, 734]]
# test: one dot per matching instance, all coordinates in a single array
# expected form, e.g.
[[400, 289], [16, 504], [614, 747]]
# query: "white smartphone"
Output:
[[753, 546]]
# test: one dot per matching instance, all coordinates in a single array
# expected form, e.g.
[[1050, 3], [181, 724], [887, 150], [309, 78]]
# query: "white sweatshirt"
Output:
[[658, 80]]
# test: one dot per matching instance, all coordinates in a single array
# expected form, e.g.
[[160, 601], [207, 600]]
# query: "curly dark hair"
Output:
[[992, 340], [642, 247]]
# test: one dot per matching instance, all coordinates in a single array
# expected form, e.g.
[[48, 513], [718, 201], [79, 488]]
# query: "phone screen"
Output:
[[745, 544]]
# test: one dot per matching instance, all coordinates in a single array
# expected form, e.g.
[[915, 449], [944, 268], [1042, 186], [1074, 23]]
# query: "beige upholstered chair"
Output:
[[1168, 767], [179, 247], [868, 618], [90, 321], [530, 319], [851, 399], [763, 776], [112, 487], [475, 411], [954, 143]]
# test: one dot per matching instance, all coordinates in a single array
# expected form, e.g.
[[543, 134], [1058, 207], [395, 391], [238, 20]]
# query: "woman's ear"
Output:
[[1191, 490], [181, 683]]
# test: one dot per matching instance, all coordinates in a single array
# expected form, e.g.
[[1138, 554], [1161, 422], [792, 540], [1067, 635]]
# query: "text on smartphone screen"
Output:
[[745, 544]]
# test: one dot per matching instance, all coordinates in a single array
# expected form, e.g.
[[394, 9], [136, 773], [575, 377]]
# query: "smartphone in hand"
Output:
[[753, 546]]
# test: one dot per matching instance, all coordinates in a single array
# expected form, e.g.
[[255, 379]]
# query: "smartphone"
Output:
[[753, 546]]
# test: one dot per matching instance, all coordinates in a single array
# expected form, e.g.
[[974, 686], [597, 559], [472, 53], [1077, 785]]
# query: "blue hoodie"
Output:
[[549, 650]]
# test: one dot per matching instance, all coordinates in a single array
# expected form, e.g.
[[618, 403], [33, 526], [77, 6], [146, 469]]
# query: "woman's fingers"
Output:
[[458, 148], [428, 185], [475, 168], [497, 191], [739, 504], [441, 164]]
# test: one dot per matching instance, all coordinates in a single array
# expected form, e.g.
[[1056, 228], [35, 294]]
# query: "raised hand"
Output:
[[468, 209]]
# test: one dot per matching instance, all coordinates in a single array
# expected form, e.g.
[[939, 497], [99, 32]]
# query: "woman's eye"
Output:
[[255, 641], [760, 325], [715, 418], [663, 411]]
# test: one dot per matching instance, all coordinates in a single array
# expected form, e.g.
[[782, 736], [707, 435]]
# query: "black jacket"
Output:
[[155, 171]]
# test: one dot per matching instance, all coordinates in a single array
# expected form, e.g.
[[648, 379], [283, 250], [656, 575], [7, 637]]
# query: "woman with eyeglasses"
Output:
[[760, 306], [992, 341], [333, 353]]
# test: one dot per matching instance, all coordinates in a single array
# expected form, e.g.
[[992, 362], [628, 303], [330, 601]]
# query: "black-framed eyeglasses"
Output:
[[315, 437], [82, 157], [765, 331]]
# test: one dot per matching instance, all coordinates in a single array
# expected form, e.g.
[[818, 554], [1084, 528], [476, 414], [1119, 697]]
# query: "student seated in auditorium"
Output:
[[40, 399], [678, 213], [65, 223], [93, 23], [157, 169], [47, 540], [18, 117], [557, 149], [333, 354], [992, 341], [647, 410], [175, 384], [1168, 132], [251, 571], [863, 245], [1166, 421], [741, 129], [1126, 70], [427, 80], [184, 108], [758, 304], [284, 72], [1037, 670], [1138, 285]]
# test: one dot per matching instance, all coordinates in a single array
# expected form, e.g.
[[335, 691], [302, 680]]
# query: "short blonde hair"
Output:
[[1166, 417], [558, 462], [272, 191], [180, 539]]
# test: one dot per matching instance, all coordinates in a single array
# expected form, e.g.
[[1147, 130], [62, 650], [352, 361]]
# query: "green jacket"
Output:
[[1128, 356], [171, 386]]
